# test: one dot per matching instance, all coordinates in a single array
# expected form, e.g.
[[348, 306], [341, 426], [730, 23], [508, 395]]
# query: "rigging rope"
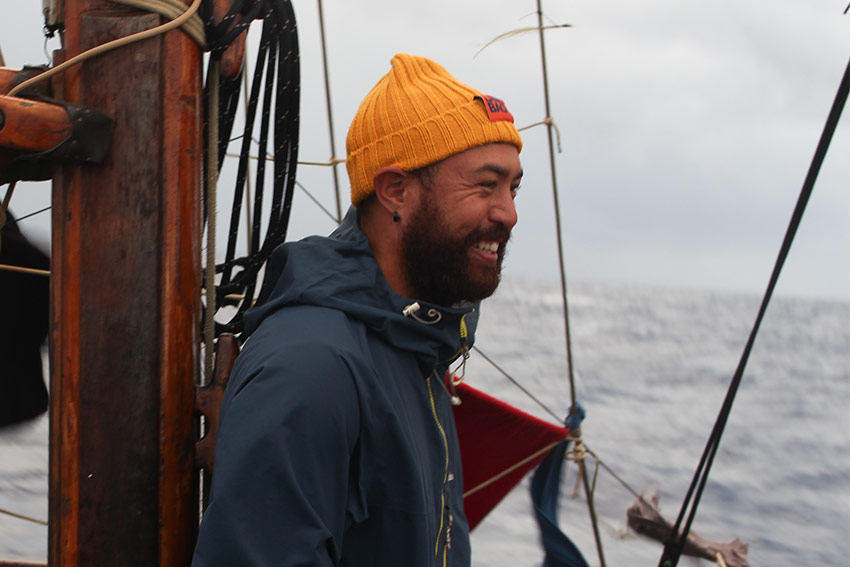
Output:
[[31, 271], [574, 408], [330, 113], [511, 469], [32, 214], [673, 549], [22, 517], [548, 121], [517, 384], [599, 462], [210, 190]]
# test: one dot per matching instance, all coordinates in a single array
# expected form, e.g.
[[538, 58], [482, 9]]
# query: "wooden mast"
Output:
[[125, 306]]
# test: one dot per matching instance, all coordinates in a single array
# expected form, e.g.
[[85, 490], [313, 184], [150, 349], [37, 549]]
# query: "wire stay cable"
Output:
[[674, 548]]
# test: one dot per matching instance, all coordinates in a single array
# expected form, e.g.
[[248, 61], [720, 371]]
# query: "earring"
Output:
[[396, 217]]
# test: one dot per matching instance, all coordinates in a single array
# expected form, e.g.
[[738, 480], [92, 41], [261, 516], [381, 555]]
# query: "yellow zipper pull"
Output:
[[455, 380]]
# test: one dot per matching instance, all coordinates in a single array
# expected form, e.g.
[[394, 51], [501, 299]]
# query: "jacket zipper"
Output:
[[444, 509]]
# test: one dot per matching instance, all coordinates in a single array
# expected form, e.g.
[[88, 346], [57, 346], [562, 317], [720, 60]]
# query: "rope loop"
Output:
[[170, 10], [549, 122]]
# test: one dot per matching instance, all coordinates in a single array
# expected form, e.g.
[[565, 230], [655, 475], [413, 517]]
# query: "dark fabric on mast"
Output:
[[673, 549], [545, 493], [277, 76], [25, 299]]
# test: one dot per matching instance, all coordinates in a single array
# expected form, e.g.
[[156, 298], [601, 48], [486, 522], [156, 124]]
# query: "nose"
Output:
[[503, 208]]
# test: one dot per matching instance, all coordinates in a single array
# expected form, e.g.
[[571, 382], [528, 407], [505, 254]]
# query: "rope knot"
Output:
[[578, 453]]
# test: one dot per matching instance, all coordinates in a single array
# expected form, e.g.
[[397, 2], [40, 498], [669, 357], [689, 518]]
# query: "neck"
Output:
[[385, 240]]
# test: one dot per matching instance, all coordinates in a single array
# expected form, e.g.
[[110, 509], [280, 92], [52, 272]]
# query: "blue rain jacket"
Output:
[[336, 443]]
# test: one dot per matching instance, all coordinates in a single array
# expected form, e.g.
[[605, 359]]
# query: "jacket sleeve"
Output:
[[288, 431]]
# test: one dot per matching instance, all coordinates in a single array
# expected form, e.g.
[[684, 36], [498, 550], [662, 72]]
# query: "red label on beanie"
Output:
[[496, 109]]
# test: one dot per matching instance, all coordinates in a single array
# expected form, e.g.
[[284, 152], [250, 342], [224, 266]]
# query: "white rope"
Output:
[[511, 469], [33, 271], [172, 9], [548, 121], [22, 517], [333, 160]]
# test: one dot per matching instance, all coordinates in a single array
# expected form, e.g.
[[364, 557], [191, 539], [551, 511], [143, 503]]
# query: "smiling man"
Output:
[[336, 442]]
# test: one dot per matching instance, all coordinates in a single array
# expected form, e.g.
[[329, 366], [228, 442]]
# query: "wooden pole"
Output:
[[125, 304]]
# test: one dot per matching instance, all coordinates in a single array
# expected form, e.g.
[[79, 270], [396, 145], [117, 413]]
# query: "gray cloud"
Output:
[[687, 128]]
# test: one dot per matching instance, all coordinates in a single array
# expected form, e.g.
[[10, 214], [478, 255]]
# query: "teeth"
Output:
[[488, 246]]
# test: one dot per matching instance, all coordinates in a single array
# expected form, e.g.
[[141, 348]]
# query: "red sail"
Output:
[[499, 444]]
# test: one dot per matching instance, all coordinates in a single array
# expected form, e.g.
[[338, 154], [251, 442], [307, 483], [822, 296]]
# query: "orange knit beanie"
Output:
[[418, 114]]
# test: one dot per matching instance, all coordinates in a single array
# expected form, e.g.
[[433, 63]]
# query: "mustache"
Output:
[[498, 233]]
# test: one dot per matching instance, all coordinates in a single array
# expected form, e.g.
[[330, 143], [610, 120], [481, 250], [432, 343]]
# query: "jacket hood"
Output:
[[339, 272]]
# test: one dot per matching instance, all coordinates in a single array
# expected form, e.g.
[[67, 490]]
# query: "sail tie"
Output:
[[559, 550]]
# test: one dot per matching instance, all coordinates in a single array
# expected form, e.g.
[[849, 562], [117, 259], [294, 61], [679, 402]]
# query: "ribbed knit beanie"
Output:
[[416, 115]]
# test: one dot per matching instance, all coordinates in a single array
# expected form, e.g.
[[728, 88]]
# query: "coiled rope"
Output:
[[277, 77]]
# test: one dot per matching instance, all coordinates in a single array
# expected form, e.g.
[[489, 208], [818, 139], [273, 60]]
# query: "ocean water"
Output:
[[652, 368]]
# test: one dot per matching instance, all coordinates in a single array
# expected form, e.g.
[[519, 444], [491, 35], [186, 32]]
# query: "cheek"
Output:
[[467, 217]]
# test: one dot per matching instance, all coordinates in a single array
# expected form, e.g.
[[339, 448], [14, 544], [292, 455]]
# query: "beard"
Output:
[[438, 265]]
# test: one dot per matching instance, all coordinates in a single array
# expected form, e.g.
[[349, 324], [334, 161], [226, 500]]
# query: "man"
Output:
[[336, 443]]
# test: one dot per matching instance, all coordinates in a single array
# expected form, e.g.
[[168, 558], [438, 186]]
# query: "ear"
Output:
[[391, 188]]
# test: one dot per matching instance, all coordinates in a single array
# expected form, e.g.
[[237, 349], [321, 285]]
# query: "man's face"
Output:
[[455, 238]]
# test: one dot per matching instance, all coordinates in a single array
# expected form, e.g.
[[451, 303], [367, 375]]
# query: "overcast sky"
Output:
[[687, 127]]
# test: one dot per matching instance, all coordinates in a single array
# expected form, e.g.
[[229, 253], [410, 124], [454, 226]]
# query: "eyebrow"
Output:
[[499, 170]]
